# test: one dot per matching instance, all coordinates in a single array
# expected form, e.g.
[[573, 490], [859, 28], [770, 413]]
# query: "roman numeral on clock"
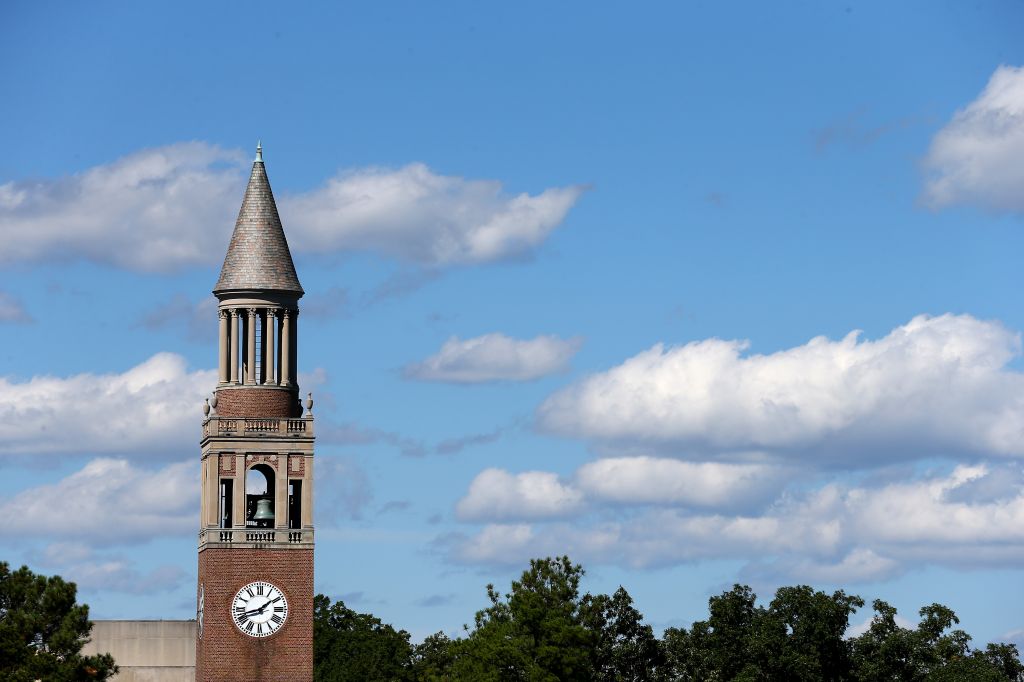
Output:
[[276, 618], [278, 609]]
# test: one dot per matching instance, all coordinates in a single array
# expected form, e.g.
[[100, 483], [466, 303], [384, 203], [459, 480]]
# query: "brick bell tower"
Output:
[[255, 594]]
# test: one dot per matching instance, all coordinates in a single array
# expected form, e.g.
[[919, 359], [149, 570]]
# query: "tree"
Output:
[[718, 648], [801, 635], [356, 647], [625, 649], [432, 659], [533, 632], [43, 630], [931, 652]]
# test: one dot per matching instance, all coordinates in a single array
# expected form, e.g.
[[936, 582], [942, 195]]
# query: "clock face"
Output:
[[199, 609], [259, 609]]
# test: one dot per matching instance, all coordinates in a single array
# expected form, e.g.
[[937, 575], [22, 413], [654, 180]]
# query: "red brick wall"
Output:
[[225, 654], [258, 402]]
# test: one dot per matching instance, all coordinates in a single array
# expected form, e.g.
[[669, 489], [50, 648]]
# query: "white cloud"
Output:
[[495, 357], [109, 502], [498, 495], [976, 158], [937, 385], [153, 408], [652, 480], [156, 209], [174, 206], [837, 534], [11, 309], [417, 215]]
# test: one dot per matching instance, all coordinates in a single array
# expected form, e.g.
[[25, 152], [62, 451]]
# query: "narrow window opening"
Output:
[[295, 504], [226, 502]]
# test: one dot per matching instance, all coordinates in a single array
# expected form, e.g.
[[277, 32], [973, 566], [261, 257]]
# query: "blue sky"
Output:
[[580, 279]]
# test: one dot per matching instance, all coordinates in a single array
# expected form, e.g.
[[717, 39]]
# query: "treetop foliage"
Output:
[[544, 630], [43, 630]]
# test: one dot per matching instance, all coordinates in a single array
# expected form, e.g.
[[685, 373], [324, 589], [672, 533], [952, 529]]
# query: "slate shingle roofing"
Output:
[[258, 255]]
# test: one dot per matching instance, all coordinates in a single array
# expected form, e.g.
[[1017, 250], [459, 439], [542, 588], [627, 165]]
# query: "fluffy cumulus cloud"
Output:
[[975, 158], [755, 440], [497, 495], [495, 357], [835, 533], [937, 385], [417, 215], [174, 206], [156, 209], [108, 502], [655, 480], [151, 409]]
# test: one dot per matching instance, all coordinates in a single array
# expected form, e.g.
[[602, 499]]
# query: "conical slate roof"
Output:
[[258, 255]]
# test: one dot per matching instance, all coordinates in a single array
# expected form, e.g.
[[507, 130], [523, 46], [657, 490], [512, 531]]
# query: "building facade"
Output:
[[254, 614]]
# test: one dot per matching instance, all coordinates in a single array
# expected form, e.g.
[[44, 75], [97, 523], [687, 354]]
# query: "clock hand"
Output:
[[259, 610], [268, 604]]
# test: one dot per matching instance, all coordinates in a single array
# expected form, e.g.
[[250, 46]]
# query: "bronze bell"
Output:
[[263, 511]]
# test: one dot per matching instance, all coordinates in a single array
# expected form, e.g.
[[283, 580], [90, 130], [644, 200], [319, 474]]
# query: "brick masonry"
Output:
[[224, 654], [258, 403]]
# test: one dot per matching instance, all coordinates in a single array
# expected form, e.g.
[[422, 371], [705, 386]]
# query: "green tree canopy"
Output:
[[545, 630], [356, 647], [43, 630]]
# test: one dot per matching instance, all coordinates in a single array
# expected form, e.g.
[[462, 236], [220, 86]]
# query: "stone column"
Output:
[[250, 352], [238, 512], [294, 360], [222, 363], [269, 358], [281, 493], [262, 315], [286, 348], [307, 493], [211, 474], [233, 377]]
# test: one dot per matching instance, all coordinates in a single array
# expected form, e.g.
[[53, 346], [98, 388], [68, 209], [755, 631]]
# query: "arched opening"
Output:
[[259, 497]]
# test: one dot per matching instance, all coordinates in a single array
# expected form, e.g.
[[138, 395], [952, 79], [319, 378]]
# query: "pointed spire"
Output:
[[258, 257], [259, 152]]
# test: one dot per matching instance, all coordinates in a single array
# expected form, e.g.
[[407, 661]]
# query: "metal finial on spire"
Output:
[[259, 151]]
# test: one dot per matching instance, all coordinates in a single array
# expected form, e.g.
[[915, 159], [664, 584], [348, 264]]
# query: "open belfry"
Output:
[[255, 592]]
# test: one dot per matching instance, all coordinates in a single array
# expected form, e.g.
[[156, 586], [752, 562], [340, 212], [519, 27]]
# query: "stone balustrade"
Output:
[[238, 426], [262, 536]]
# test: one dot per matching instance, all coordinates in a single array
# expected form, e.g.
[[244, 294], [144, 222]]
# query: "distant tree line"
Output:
[[544, 630]]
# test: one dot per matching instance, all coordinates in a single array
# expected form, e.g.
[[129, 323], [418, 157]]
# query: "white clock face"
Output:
[[259, 609]]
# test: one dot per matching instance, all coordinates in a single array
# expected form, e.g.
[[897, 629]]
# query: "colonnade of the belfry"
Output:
[[271, 361]]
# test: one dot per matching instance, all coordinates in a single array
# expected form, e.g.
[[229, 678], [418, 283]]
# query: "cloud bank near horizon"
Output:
[[707, 452]]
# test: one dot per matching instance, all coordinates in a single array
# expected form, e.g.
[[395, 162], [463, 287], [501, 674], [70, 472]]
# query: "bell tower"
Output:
[[255, 593]]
